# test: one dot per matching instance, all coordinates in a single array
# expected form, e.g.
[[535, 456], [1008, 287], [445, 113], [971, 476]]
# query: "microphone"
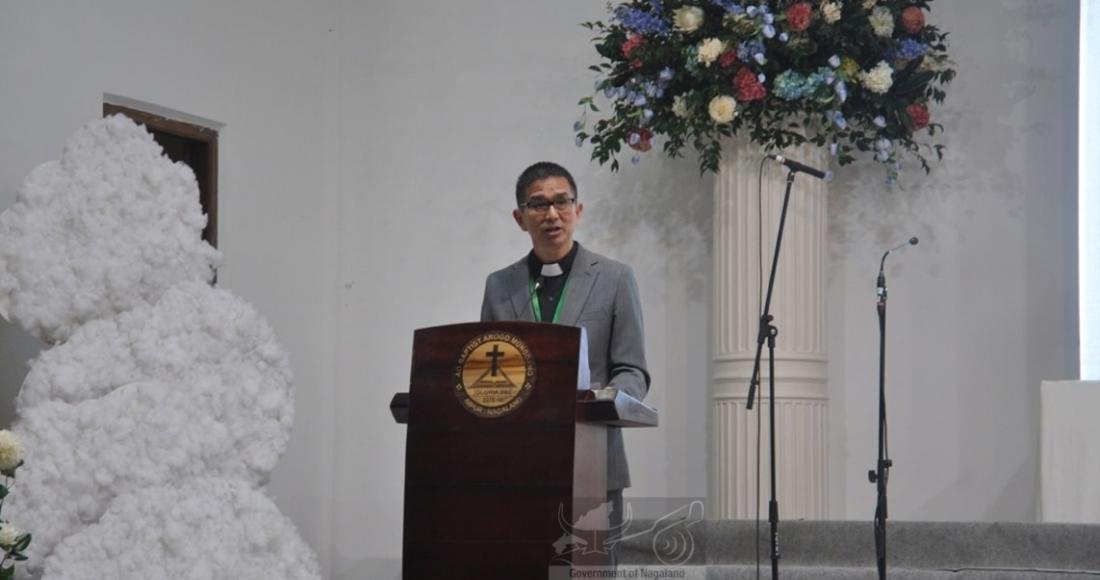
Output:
[[534, 288], [801, 168], [882, 264], [910, 242]]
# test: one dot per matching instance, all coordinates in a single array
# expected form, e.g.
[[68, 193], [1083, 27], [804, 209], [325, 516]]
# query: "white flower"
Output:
[[710, 49], [8, 534], [680, 107], [882, 21], [722, 109], [879, 79], [830, 11], [688, 18], [11, 450], [868, 4]]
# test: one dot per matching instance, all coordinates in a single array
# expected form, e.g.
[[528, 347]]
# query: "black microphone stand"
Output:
[[767, 333], [881, 474]]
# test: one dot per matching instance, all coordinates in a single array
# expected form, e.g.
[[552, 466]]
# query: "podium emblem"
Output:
[[495, 374]]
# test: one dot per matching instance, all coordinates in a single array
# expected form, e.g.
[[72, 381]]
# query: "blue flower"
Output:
[[769, 19], [634, 139], [666, 74], [841, 91], [838, 119], [748, 50], [580, 141], [768, 31], [640, 101], [578, 126], [790, 85], [731, 6], [608, 91], [832, 148], [908, 49], [647, 115], [636, 159], [834, 61], [879, 122], [759, 58], [784, 37], [642, 21], [883, 155], [823, 76], [751, 10]]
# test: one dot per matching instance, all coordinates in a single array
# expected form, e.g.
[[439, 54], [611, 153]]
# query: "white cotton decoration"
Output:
[[201, 529], [109, 226], [228, 423], [191, 330]]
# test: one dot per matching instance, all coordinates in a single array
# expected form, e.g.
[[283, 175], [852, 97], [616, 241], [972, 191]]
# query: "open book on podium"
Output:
[[506, 452]]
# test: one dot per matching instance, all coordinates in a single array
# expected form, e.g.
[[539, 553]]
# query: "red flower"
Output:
[[636, 64], [633, 43], [798, 16], [748, 86], [727, 60], [918, 113], [912, 19], [640, 140]]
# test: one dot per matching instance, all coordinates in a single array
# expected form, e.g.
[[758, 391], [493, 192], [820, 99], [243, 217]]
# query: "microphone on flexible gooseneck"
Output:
[[880, 475], [534, 289], [882, 264]]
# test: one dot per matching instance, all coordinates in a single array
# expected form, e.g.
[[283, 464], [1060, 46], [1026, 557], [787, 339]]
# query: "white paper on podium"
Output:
[[1069, 449]]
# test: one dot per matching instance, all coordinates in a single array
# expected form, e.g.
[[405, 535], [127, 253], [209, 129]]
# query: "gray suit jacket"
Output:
[[603, 299]]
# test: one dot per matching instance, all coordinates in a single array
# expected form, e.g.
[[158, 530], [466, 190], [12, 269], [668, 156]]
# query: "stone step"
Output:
[[973, 549]]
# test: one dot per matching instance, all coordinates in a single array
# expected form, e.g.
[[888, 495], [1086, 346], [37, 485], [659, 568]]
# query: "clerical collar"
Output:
[[539, 269]]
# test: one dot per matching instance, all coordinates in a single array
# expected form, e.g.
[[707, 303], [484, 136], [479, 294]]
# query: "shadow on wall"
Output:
[[991, 145], [655, 217]]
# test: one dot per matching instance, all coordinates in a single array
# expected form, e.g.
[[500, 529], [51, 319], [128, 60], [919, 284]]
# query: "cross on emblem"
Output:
[[495, 355]]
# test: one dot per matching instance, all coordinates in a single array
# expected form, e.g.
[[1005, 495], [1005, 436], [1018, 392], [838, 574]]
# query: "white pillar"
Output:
[[798, 305]]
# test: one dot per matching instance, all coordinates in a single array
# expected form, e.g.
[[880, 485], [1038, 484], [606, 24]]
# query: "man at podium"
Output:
[[561, 282]]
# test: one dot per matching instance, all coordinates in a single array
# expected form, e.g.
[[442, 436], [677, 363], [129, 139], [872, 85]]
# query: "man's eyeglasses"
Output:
[[542, 205]]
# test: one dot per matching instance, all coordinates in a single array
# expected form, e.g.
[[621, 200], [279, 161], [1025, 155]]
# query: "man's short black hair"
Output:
[[538, 172]]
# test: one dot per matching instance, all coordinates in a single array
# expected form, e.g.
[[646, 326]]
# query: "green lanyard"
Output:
[[535, 300]]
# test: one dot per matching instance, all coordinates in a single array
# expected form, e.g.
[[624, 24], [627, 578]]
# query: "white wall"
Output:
[[367, 165]]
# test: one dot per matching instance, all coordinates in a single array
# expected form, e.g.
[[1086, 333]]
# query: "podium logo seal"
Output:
[[495, 375]]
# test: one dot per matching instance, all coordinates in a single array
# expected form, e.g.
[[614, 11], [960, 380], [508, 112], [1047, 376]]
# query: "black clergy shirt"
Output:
[[550, 293]]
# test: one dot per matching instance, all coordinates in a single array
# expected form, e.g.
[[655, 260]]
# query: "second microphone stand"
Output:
[[880, 476], [767, 333]]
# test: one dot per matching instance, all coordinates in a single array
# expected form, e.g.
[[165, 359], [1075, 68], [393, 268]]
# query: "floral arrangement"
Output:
[[854, 75], [12, 541]]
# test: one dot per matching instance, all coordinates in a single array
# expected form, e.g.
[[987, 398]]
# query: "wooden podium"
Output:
[[506, 452]]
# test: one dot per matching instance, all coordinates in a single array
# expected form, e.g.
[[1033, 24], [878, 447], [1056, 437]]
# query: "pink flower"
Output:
[[633, 43], [748, 86], [798, 16], [918, 113], [912, 19]]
